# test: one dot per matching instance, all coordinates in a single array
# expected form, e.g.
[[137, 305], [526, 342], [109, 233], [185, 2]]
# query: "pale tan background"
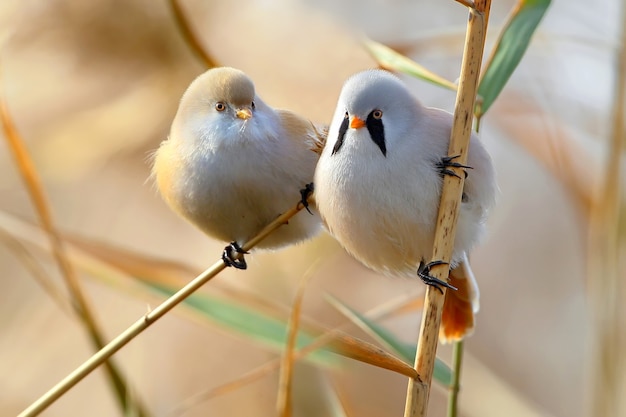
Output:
[[93, 86]]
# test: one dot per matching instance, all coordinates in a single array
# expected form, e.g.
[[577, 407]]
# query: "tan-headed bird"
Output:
[[232, 164]]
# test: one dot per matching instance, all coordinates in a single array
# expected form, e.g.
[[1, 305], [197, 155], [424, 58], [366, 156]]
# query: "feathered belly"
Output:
[[235, 204], [384, 244], [390, 235]]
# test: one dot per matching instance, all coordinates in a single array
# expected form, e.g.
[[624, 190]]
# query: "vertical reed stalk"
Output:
[[607, 286], [418, 389], [80, 302]]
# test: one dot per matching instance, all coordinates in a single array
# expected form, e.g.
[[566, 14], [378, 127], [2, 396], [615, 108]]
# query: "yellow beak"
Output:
[[244, 113], [356, 123]]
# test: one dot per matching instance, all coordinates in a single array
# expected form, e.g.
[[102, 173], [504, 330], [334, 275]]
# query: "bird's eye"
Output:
[[253, 105], [346, 116], [219, 106], [377, 114]]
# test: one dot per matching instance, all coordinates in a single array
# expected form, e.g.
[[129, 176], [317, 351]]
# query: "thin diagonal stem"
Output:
[[143, 323]]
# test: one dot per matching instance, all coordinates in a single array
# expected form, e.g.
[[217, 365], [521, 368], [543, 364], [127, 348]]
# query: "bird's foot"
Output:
[[423, 272], [305, 193], [447, 162], [233, 255]]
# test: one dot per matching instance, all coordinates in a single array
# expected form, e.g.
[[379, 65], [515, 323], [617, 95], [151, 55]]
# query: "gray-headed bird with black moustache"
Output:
[[378, 185]]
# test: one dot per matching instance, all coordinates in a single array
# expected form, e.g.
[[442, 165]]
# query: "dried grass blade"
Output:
[[189, 36], [79, 301], [284, 398]]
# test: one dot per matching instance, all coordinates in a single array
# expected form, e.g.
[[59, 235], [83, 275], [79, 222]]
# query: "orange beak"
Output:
[[356, 123], [244, 113]]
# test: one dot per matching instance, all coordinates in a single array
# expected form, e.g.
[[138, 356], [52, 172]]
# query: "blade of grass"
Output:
[[140, 266], [80, 303], [391, 60], [219, 311], [260, 328], [161, 271], [362, 351], [156, 270], [249, 377], [338, 401], [486, 381], [170, 274], [235, 315], [266, 329], [390, 308], [143, 323], [271, 332], [510, 48], [333, 340], [118, 266], [36, 270], [442, 372], [416, 304], [32, 237]]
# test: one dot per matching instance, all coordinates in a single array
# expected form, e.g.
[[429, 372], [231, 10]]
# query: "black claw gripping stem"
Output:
[[447, 162], [423, 271], [305, 193], [233, 256]]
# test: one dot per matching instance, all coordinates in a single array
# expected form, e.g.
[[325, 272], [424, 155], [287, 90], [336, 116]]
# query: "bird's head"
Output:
[[374, 106]]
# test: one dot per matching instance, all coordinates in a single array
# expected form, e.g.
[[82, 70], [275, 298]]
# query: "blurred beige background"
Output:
[[93, 86]]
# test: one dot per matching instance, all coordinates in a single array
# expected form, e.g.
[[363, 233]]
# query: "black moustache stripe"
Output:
[[375, 128], [377, 132], [342, 133]]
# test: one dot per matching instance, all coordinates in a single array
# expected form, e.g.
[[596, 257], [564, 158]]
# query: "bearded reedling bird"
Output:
[[232, 164], [378, 185]]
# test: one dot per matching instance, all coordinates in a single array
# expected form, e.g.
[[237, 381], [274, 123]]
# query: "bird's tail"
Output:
[[318, 139], [459, 307]]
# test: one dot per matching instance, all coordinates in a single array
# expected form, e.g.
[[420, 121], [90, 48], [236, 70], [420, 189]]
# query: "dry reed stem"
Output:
[[189, 36], [36, 270], [607, 286], [253, 375], [365, 352], [339, 342], [80, 302], [340, 398], [143, 323], [455, 387], [285, 382], [418, 389]]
